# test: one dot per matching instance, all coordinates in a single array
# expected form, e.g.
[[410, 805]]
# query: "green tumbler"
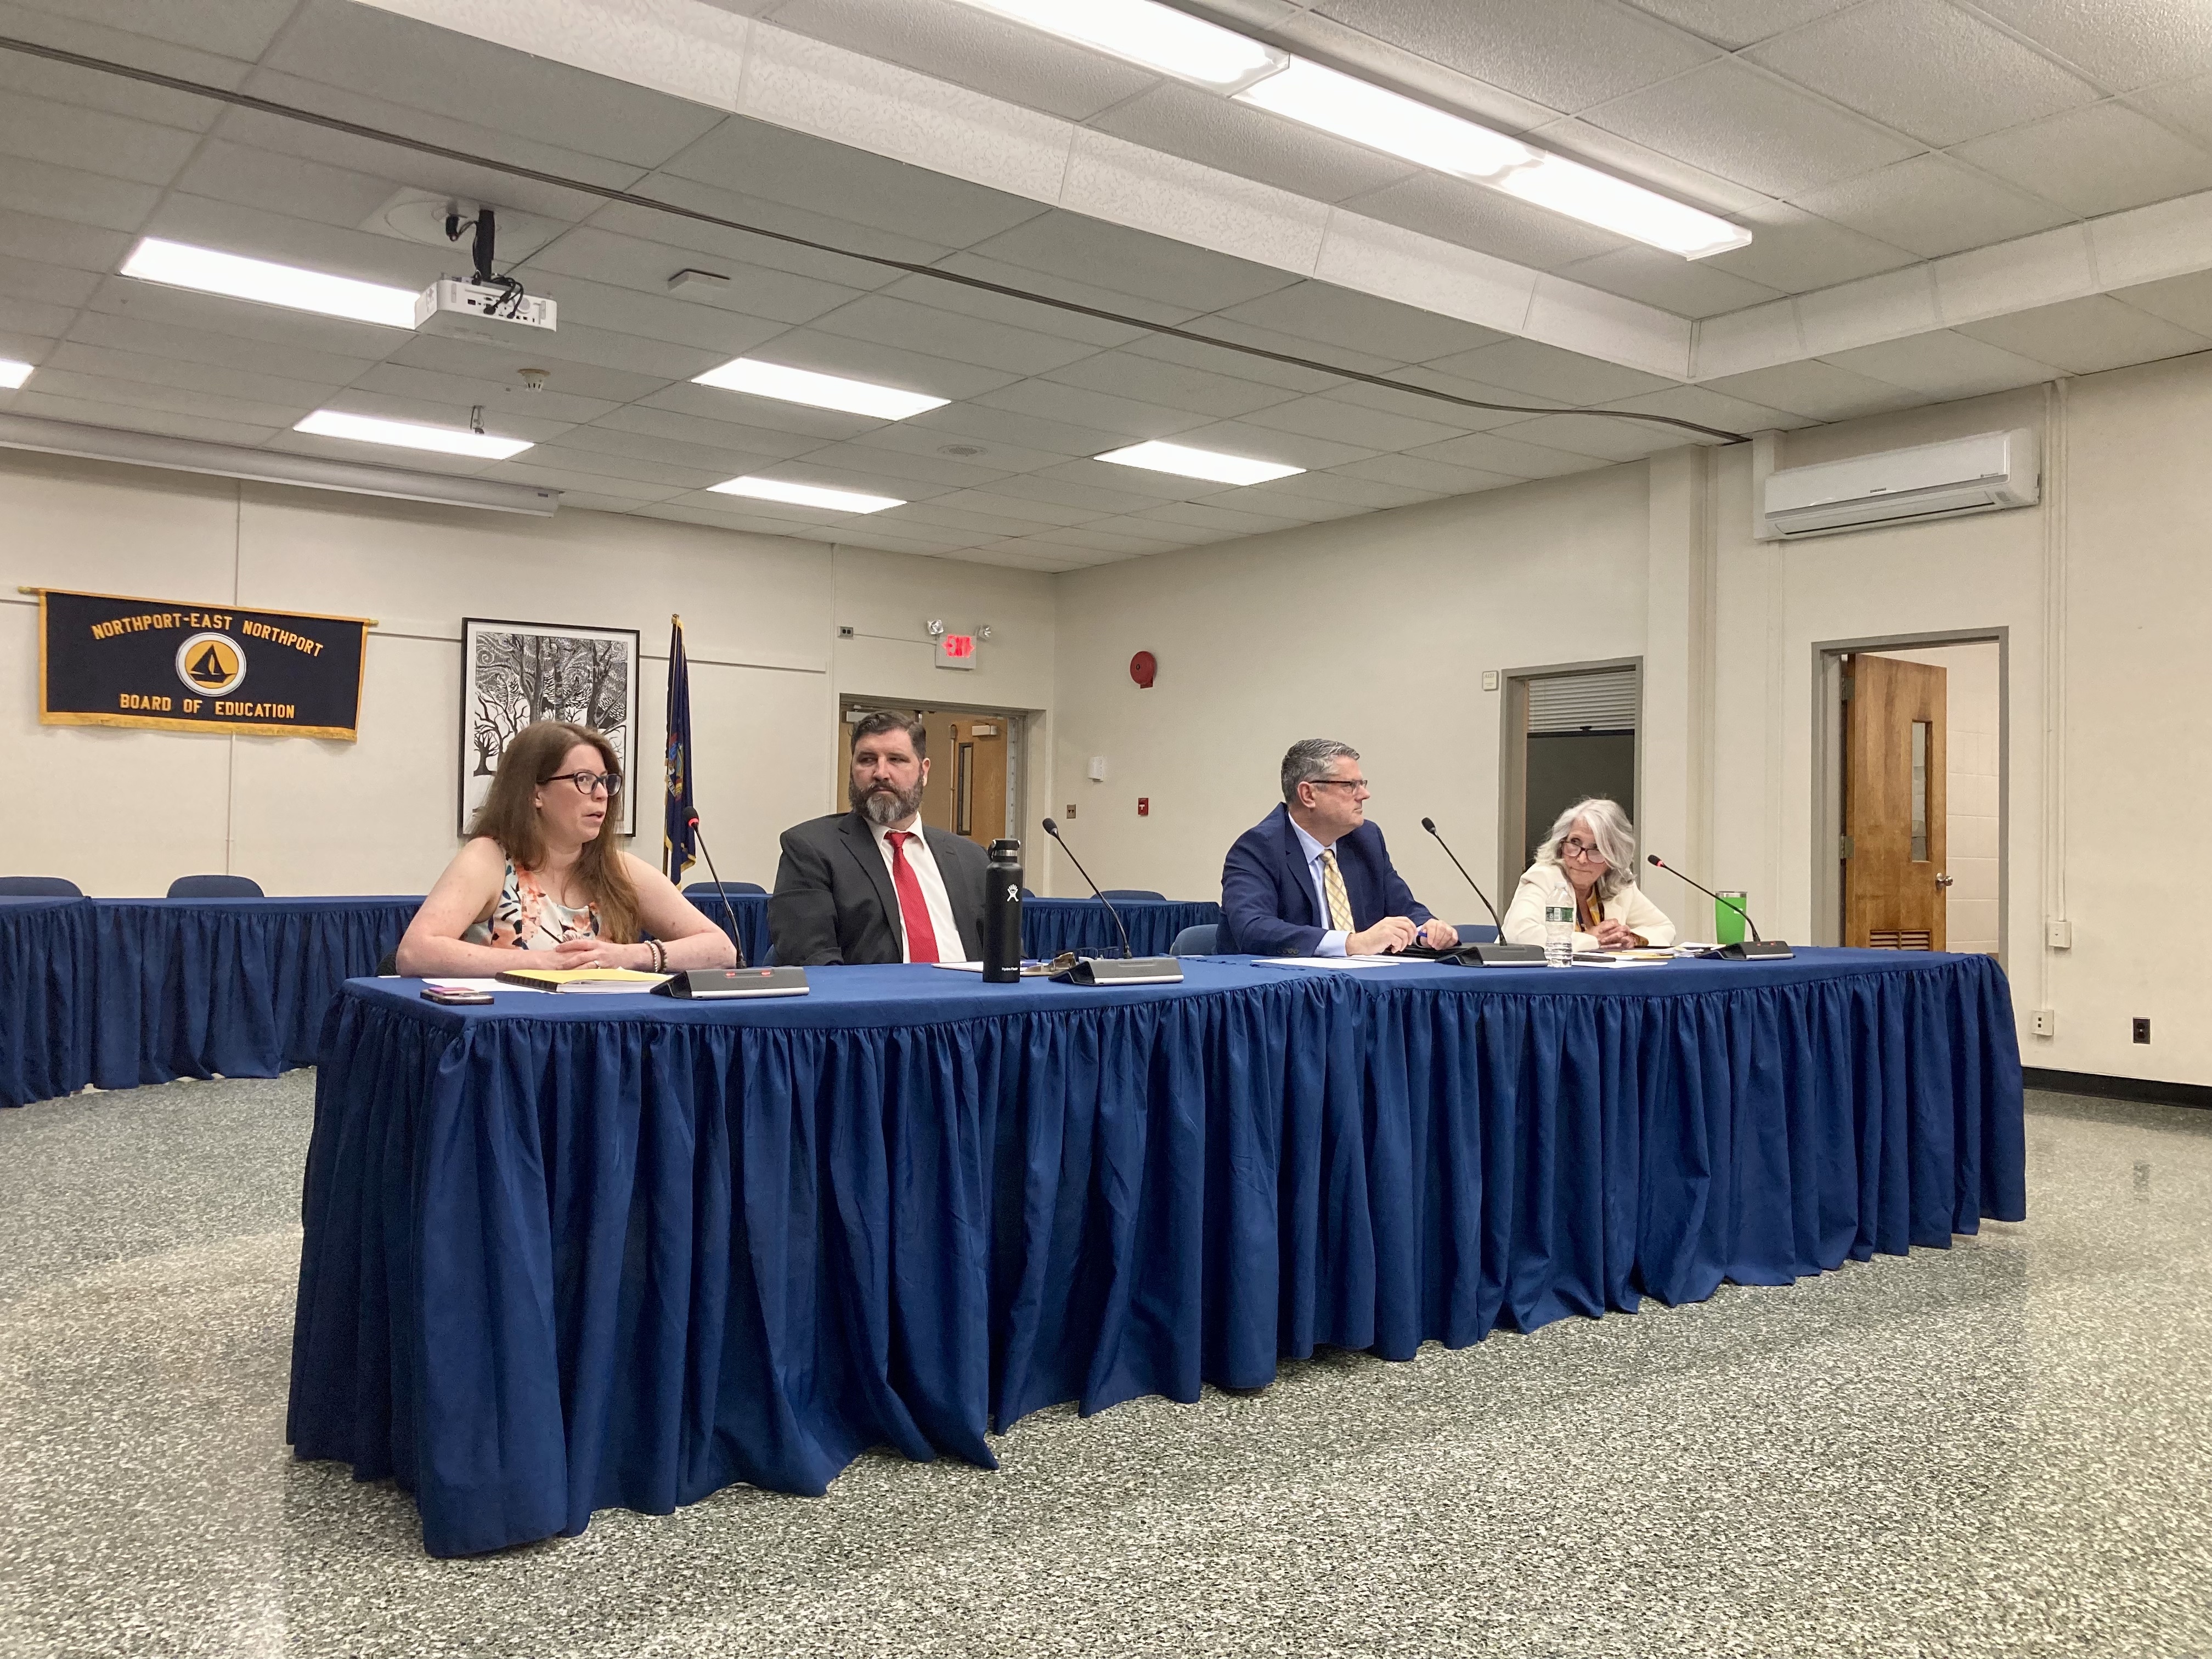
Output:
[[1728, 917]]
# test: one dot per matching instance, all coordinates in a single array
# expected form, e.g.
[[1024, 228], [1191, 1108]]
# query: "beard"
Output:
[[884, 805]]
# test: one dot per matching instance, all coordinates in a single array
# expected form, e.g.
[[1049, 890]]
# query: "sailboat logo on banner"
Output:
[[210, 664]]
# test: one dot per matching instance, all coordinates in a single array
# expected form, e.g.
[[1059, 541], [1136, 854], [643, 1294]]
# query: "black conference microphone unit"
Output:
[[1500, 955], [1099, 970], [1756, 949]]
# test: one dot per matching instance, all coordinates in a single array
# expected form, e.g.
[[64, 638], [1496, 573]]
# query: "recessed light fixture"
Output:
[[799, 495], [211, 271], [1159, 37], [12, 373], [1385, 120], [803, 386], [1198, 463], [409, 435]]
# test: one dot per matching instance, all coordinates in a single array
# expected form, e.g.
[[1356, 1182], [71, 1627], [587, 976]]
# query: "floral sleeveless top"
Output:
[[526, 918]]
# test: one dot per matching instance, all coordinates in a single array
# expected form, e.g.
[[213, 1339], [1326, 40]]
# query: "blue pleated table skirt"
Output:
[[573, 1252]]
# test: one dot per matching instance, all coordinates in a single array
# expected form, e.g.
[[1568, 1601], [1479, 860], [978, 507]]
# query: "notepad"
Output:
[[600, 980]]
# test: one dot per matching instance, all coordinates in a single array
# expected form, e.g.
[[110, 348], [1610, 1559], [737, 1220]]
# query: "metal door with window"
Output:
[[1893, 804]]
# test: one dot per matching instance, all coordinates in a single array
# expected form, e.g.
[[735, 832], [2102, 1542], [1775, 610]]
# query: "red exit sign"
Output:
[[956, 651]]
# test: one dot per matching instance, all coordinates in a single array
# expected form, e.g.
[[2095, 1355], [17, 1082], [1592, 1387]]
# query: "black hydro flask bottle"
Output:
[[1002, 913]]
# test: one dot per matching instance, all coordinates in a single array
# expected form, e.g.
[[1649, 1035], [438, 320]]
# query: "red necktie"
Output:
[[920, 937]]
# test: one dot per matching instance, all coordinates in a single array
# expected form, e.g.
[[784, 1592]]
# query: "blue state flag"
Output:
[[679, 840]]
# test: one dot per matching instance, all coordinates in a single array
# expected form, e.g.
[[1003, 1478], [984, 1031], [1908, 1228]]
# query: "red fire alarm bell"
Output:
[[1143, 668]]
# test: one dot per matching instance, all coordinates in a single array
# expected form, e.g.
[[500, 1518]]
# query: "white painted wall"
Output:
[[1971, 821], [124, 811]]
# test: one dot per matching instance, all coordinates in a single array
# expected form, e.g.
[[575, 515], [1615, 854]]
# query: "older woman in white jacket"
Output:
[[1591, 851]]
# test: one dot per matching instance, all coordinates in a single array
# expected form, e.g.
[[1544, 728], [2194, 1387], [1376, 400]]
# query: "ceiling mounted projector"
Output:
[[476, 311]]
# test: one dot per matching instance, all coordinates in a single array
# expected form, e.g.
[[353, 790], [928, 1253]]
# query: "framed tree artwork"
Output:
[[513, 673]]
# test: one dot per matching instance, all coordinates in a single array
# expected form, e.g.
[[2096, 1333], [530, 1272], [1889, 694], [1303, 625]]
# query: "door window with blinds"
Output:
[[1570, 735]]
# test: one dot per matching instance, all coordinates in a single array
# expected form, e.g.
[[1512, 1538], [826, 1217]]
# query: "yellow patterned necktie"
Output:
[[1332, 883]]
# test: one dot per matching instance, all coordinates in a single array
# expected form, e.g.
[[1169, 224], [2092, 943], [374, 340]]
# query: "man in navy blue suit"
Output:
[[1313, 878]]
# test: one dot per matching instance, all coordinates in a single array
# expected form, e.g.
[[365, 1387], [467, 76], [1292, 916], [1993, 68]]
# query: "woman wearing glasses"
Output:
[[542, 872], [1591, 850]]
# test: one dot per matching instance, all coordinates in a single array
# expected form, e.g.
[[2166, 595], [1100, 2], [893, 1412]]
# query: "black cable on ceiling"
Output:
[[630, 198]]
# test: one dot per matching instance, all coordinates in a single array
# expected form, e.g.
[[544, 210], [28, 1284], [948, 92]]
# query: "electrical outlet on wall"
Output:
[[2044, 1021], [2143, 1031]]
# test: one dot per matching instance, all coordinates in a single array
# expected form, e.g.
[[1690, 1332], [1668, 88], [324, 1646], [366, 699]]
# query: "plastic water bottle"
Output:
[[1559, 927]]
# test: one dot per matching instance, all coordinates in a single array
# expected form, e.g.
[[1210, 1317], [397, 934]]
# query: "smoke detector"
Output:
[[534, 379]]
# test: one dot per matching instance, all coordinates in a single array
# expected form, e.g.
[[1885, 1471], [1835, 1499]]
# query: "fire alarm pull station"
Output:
[[1143, 806]]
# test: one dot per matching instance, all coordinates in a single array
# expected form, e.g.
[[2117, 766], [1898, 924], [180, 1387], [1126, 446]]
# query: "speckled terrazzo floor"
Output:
[[2003, 1449]]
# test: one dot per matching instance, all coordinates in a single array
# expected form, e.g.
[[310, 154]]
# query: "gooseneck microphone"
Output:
[[1500, 954], [1132, 969], [1757, 948], [1053, 829], [691, 822]]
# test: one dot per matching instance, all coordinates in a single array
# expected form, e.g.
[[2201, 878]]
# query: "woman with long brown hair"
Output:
[[541, 872]]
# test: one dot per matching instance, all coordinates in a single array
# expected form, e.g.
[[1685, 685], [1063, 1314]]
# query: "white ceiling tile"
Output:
[[2185, 104], [381, 55], [1893, 306], [701, 431], [1368, 495], [153, 306], [1205, 516], [1566, 53], [1123, 183], [999, 428], [292, 185], [1729, 412], [175, 400], [223, 380], [1103, 541], [1418, 406], [34, 317], [1420, 472], [1263, 443], [1932, 205], [1174, 385], [970, 48], [1299, 508], [2087, 335], [2183, 300], [1668, 175], [911, 437], [35, 281], [573, 500], [1012, 311], [1925, 68], [1214, 359], [1487, 452], [755, 290], [1069, 492], [1734, 23], [1153, 487], [1051, 400], [163, 336], [946, 471], [1944, 365], [1111, 258], [1184, 535], [1686, 287], [71, 136], [765, 416], [288, 239], [434, 411], [1548, 372], [531, 467], [2120, 44], [935, 515], [799, 170], [1333, 316], [75, 196], [1219, 132], [2098, 160], [58, 242], [925, 328], [461, 391], [1349, 423], [1735, 120], [1604, 440], [101, 411], [1453, 211], [882, 363], [1815, 390], [590, 362], [1020, 509], [701, 457], [1793, 251], [235, 28], [718, 331]]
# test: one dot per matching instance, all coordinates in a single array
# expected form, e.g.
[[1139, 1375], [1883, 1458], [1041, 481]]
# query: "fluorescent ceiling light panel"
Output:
[[1198, 463], [1387, 121], [1614, 204], [1158, 37], [12, 373], [799, 495], [409, 435], [212, 271], [803, 386]]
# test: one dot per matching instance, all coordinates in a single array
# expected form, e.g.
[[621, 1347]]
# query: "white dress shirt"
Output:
[[1332, 942], [950, 947]]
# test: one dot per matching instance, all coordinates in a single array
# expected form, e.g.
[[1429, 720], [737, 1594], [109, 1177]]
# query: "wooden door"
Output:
[[1893, 848], [967, 789]]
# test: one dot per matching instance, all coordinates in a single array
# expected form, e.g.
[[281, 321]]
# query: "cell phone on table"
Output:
[[450, 995]]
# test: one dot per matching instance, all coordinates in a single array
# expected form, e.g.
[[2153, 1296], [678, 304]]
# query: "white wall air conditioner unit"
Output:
[[1980, 474]]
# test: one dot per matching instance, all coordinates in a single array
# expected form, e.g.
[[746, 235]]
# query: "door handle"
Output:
[[1944, 881]]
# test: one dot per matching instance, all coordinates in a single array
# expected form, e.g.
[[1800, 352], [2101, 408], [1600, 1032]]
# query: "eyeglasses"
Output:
[[1571, 848], [1339, 783], [587, 782]]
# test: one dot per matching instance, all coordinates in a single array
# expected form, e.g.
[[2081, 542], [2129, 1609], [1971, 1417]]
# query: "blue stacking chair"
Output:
[[1199, 939], [710, 889], [216, 887], [38, 887], [1133, 893]]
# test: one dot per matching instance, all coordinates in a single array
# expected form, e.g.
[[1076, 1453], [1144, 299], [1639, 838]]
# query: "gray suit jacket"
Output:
[[834, 901]]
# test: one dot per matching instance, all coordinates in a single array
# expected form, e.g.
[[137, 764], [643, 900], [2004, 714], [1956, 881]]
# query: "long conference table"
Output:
[[569, 1252], [119, 992]]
